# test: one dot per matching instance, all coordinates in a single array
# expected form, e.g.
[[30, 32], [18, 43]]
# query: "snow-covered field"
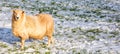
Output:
[[81, 26]]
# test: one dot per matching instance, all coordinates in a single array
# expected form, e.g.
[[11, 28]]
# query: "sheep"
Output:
[[32, 26]]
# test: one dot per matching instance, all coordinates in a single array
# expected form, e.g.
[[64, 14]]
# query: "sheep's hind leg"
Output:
[[50, 40]]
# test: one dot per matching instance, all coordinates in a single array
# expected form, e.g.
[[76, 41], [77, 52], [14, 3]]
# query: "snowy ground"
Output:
[[81, 26]]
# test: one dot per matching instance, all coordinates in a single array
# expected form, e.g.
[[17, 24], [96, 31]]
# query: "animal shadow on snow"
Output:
[[7, 36]]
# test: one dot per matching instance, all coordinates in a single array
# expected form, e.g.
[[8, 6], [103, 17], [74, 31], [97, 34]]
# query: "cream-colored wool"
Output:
[[36, 27]]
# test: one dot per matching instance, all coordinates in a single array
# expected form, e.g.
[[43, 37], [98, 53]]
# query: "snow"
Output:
[[81, 26]]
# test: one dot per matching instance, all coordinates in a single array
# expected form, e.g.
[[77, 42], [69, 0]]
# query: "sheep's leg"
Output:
[[22, 43], [50, 40]]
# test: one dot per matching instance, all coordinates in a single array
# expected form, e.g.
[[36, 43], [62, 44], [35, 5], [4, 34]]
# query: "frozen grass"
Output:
[[81, 26]]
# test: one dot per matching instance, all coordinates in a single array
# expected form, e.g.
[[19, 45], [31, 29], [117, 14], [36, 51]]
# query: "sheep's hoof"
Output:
[[21, 48], [48, 45]]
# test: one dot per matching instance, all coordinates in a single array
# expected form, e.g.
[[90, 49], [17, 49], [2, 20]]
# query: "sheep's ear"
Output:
[[13, 11], [23, 12]]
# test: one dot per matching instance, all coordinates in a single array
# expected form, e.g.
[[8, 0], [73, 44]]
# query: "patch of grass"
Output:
[[70, 36], [37, 52], [102, 16], [117, 20], [115, 32], [73, 50], [97, 12], [62, 48], [109, 20], [32, 46], [87, 11], [13, 49], [72, 9], [53, 3], [94, 30], [82, 51], [83, 16], [47, 9], [79, 37], [74, 30], [111, 36], [98, 51], [69, 18], [60, 26], [64, 8], [86, 20], [14, 6], [60, 16], [92, 37], [9, 49], [25, 48], [78, 53], [3, 45], [0, 9], [48, 52], [107, 8], [43, 45]]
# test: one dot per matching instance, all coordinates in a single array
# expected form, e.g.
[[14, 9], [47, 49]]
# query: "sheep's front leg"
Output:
[[49, 42], [22, 43]]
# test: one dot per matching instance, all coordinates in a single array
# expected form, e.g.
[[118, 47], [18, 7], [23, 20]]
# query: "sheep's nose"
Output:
[[17, 17]]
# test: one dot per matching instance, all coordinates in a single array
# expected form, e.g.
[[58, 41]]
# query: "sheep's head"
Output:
[[18, 15]]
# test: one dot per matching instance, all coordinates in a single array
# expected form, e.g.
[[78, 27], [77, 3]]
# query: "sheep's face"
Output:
[[18, 15]]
